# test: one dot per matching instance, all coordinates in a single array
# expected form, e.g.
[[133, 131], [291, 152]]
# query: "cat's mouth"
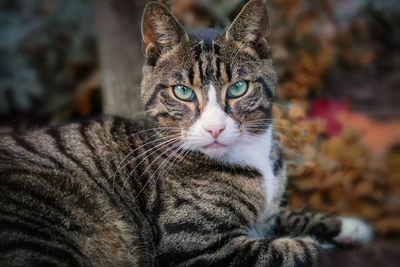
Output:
[[215, 149], [214, 145]]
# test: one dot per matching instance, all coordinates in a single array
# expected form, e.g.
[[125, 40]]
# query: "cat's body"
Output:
[[198, 183], [61, 195]]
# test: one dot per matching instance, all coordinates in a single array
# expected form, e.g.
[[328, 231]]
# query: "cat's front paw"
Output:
[[354, 232], [299, 252]]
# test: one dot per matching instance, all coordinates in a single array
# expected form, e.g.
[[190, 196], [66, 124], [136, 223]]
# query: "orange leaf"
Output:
[[296, 112]]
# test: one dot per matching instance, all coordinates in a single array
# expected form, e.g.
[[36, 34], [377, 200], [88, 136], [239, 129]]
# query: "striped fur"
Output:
[[116, 192], [62, 202]]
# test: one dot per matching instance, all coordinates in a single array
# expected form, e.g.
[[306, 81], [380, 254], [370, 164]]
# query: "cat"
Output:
[[198, 182]]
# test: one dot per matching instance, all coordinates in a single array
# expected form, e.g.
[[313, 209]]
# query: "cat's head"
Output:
[[215, 87]]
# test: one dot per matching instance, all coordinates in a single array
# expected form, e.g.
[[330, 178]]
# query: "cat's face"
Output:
[[216, 91]]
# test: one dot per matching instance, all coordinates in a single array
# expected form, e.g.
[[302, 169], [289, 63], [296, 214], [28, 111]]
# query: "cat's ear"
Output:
[[251, 26], [160, 30]]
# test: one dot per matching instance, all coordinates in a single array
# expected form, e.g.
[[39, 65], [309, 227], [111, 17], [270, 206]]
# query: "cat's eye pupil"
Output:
[[183, 93], [237, 90]]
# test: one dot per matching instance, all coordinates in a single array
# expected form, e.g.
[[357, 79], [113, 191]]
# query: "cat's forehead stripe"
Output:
[[216, 48], [208, 60], [197, 51], [200, 64], [207, 46], [191, 75], [218, 68]]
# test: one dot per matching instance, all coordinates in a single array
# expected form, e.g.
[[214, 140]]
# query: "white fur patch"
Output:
[[213, 116], [244, 149], [254, 151], [354, 232]]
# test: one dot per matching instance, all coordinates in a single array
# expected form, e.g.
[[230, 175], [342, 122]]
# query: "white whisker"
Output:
[[151, 129], [143, 187], [130, 153], [172, 163], [155, 148]]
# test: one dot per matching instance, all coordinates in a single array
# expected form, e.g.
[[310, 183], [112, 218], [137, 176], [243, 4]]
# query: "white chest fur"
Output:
[[255, 152], [247, 150]]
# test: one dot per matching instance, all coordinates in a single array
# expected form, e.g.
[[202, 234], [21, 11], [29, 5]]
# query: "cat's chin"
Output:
[[215, 152]]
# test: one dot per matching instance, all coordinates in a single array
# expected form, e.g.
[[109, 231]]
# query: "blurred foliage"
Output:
[[341, 174], [346, 172], [47, 48], [336, 104], [340, 161]]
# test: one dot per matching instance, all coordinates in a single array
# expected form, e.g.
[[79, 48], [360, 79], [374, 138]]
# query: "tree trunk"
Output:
[[121, 57]]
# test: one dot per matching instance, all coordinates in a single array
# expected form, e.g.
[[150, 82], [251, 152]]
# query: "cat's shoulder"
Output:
[[95, 127]]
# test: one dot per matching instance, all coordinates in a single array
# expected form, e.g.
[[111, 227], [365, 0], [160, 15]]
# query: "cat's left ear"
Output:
[[160, 30], [251, 27]]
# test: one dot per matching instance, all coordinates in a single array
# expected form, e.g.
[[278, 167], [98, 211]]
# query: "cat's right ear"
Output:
[[160, 30], [251, 27]]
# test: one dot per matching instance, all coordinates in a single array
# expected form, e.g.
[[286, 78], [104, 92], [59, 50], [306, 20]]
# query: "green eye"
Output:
[[237, 90], [183, 93]]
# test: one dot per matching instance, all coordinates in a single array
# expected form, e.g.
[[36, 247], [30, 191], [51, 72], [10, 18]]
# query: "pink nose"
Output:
[[215, 132]]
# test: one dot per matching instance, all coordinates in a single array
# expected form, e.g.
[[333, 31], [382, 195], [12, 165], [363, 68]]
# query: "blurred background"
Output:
[[337, 105]]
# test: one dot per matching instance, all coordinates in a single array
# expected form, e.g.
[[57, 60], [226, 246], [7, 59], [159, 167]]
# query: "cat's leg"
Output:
[[326, 228], [243, 251]]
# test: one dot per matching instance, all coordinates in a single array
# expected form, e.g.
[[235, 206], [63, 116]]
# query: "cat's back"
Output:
[[82, 147], [56, 202]]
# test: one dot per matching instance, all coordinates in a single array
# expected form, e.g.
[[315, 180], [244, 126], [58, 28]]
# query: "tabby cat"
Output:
[[199, 182]]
